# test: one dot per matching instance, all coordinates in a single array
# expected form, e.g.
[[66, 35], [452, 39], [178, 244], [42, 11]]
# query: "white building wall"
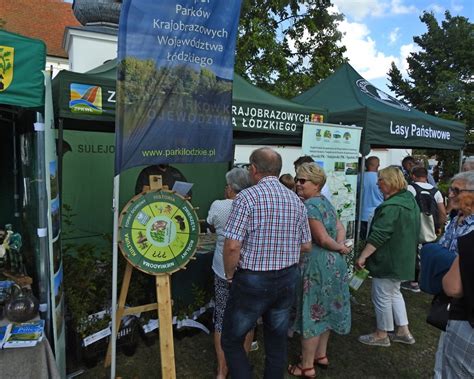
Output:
[[87, 49], [55, 65], [390, 157]]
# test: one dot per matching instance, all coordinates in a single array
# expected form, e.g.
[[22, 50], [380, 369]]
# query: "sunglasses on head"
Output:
[[301, 180], [457, 191]]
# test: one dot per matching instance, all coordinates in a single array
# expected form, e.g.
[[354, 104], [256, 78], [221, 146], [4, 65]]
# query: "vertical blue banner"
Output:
[[174, 87]]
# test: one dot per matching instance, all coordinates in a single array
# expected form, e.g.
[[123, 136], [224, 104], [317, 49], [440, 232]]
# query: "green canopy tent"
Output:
[[22, 97], [21, 87], [386, 121], [24, 103], [21, 62], [75, 117], [258, 118]]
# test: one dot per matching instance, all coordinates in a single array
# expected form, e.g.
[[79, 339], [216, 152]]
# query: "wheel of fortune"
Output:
[[158, 232]]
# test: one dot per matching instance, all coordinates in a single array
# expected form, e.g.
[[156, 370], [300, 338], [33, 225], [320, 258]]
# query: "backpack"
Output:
[[429, 214], [435, 261]]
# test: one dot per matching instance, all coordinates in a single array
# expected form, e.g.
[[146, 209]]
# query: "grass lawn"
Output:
[[348, 358]]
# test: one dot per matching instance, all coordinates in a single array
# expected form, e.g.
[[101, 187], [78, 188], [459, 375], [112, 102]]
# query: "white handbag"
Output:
[[427, 228]]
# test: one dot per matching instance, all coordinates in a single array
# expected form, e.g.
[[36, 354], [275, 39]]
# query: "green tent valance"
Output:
[[253, 109], [386, 121], [256, 110], [67, 89], [22, 61]]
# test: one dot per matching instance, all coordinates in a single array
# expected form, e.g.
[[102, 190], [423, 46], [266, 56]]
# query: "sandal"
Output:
[[303, 371], [317, 362]]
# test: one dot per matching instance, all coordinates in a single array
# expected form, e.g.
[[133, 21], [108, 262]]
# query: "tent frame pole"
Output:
[[359, 195], [113, 337], [16, 194], [43, 267], [59, 148]]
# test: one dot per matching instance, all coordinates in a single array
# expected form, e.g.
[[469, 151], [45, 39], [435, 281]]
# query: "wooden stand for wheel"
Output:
[[163, 305]]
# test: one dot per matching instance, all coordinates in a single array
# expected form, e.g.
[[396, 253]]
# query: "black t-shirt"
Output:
[[169, 175], [463, 308]]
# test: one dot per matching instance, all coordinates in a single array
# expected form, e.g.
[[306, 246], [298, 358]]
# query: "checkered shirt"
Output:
[[271, 223]]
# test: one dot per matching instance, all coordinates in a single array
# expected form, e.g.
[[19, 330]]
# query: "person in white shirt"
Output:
[[408, 163], [237, 179], [419, 176]]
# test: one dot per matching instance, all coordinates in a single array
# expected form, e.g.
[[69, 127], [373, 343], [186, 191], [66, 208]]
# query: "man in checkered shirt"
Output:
[[265, 233]]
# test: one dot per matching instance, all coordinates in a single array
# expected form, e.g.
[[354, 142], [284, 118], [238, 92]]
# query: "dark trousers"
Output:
[[363, 229], [254, 294], [417, 264]]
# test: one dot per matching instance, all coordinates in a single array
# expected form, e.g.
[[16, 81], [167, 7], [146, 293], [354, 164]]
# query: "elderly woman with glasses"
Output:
[[462, 185], [237, 179], [323, 299], [390, 257], [458, 341]]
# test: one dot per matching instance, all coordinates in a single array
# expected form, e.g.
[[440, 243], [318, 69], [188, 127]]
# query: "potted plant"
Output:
[[88, 290]]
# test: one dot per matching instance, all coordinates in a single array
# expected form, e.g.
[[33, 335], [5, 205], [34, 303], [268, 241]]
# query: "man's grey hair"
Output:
[[466, 177], [267, 161], [238, 179], [468, 164]]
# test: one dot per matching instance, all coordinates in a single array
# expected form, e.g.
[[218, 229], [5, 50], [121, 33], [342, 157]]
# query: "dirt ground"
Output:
[[195, 356]]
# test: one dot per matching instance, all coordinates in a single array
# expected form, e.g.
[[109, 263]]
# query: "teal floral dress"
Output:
[[323, 299]]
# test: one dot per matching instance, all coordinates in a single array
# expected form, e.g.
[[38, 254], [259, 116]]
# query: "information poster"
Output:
[[336, 149]]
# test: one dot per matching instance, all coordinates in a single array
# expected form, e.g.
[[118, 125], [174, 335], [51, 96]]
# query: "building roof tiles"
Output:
[[41, 19]]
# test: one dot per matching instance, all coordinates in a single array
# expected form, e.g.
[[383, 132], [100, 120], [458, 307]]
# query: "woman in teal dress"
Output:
[[323, 301]]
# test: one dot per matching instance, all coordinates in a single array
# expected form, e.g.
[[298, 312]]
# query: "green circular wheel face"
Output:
[[158, 232]]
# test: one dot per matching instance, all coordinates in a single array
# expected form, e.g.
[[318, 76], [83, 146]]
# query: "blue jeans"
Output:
[[269, 294]]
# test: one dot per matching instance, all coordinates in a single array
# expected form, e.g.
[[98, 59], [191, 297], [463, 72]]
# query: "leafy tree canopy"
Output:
[[287, 46], [440, 74]]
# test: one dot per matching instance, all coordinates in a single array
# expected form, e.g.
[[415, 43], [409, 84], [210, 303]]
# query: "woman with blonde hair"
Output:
[[323, 299], [390, 257]]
